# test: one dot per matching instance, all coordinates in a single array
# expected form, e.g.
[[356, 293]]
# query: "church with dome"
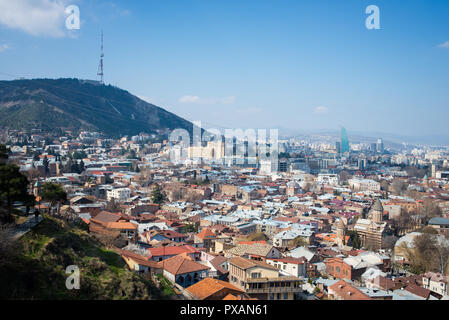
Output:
[[373, 230]]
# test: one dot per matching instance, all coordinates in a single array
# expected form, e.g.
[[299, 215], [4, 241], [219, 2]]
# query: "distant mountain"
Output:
[[394, 140], [75, 104]]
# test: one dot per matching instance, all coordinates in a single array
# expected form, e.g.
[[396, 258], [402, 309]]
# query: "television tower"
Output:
[[100, 67]]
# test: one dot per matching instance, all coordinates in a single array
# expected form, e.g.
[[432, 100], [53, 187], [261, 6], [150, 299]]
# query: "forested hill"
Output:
[[73, 104]]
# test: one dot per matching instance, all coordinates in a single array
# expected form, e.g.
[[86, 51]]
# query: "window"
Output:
[[256, 275], [285, 296], [272, 296], [285, 267], [279, 296]]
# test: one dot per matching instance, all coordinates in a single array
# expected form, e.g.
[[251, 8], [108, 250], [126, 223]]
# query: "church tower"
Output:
[[377, 212], [341, 232]]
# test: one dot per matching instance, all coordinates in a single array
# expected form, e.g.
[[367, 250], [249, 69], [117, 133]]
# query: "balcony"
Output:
[[273, 290], [273, 285]]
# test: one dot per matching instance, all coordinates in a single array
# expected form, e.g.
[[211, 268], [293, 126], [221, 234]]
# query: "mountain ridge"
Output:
[[76, 104]]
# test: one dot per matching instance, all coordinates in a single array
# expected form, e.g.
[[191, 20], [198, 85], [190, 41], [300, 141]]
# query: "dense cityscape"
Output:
[[325, 221], [210, 159]]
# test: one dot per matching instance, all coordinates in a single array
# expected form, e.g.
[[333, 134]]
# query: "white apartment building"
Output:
[[293, 266], [328, 179], [120, 194], [268, 166], [436, 282], [364, 184]]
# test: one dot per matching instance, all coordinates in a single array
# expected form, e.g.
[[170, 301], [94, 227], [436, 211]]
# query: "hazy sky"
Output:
[[294, 64]]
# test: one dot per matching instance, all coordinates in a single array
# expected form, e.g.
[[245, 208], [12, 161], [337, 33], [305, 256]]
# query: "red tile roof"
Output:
[[207, 287], [181, 264], [206, 233], [171, 251], [345, 291]]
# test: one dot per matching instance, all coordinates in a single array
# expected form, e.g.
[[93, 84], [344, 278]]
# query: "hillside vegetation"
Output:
[[36, 268], [71, 104]]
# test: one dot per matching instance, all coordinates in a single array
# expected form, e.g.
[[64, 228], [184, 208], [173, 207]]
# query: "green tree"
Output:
[[354, 239], [81, 166], [79, 155], [13, 186], [45, 163], [3, 153], [157, 195], [132, 154], [53, 193]]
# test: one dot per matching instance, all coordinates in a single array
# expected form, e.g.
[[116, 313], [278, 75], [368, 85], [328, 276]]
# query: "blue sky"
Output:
[[303, 65]]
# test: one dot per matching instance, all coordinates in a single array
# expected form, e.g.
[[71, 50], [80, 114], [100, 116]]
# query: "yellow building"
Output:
[[261, 280]]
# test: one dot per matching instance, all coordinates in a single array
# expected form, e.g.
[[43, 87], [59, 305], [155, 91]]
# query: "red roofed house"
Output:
[[205, 237], [183, 270], [342, 290], [112, 224], [173, 235], [212, 289], [162, 253]]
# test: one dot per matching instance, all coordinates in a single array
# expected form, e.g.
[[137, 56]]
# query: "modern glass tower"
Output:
[[344, 141]]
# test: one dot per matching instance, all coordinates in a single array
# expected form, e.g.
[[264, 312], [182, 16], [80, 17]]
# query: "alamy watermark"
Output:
[[373, 20], [72, 281], [72, 21], [231, 147]]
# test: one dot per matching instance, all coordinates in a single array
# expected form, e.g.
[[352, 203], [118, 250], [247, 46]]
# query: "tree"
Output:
[[344, 176], [29, 202], [398, 187], [384, 185], [53, 193], [157, 195], [189, 227], [431, 253], [132, 154], [77, 155], [13, 186], [45, 163], [299, 242], [431, 210], [81, 167], [257, 236], [4, 153], [354, 239], [112, 206]]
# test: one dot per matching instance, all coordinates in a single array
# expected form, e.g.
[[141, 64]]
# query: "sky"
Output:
[[299, 64]]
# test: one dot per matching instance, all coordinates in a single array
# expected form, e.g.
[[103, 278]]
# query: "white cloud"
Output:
[[4, 47], [199, 100], [444, 45], [36, 17], [321, 110]]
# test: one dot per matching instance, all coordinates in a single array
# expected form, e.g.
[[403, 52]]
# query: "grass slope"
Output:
[[37, 270]]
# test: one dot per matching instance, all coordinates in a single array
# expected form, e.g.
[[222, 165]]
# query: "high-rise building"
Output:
[[361, 163], [380, 146], [338, 146], [344, 141], [283, 165]]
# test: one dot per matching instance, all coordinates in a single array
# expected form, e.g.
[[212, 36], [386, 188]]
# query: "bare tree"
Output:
[[112, 206], [398, 187]]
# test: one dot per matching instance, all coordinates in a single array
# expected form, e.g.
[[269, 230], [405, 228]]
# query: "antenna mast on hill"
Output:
[[100, 67]]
